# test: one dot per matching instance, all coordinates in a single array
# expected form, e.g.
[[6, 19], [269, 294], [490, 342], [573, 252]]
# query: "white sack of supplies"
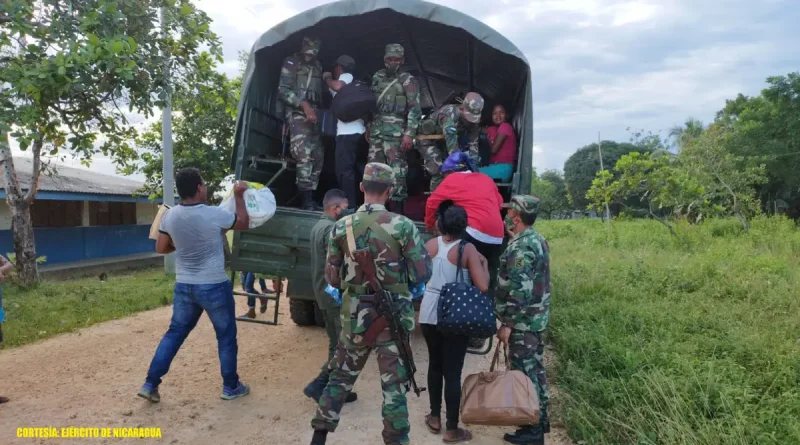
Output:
[[259, 201]]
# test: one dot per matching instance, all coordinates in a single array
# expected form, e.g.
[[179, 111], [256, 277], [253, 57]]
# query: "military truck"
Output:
[[449, 52]]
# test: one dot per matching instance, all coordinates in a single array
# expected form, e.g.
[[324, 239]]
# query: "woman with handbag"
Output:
[[446, 351]]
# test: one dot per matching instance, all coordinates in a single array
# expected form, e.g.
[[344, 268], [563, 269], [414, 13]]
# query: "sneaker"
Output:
[[150, 393], [240, 391]]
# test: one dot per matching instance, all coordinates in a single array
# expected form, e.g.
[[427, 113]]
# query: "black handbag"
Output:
[[354, 101], [463, 309]]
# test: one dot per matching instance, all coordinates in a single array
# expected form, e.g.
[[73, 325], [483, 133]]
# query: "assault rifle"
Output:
[[389, 310]]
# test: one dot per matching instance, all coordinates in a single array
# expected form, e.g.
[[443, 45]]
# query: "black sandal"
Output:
[[433, 430]]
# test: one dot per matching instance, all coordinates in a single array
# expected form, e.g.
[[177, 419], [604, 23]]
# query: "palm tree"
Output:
[[692, 129]]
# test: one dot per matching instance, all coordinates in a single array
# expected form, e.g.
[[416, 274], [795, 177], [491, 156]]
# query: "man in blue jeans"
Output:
[[193, 231]]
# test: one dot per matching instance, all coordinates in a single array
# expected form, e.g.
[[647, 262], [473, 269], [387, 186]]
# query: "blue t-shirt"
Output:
[[197, 234], [2, 311]]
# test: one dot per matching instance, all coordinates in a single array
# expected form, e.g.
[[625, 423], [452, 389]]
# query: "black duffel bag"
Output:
[[463, 309], [353, 102]]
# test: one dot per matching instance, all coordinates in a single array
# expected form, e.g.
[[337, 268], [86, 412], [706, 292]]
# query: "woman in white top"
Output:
[[447, 351]]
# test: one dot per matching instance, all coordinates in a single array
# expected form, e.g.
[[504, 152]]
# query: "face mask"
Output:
[[392, 68], [509, 222]]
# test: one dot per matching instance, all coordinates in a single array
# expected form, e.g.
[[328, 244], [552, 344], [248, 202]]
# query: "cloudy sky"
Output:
[[600, 65]]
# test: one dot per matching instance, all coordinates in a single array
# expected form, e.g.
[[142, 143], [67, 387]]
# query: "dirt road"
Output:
[[90, 379]]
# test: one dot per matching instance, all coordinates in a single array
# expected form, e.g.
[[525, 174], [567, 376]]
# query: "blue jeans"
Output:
[[189, 302], [249, 286]]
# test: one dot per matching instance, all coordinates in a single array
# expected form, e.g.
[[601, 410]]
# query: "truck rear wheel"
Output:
[[302, 312], [318, 317]]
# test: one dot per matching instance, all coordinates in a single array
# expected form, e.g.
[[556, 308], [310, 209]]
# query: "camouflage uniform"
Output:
[[302, 81], [523, 299], [398, 115], [395, 269], [450, 121]]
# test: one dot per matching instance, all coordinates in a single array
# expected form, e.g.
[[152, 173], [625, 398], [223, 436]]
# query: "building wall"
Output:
[[69, 244]]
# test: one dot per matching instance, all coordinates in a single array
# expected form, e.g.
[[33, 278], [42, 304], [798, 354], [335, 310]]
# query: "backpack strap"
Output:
[[370, 221]]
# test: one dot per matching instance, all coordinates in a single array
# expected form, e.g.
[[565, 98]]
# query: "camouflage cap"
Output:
[[379, 173], [524, 204], [472, 107], [311, 45], [394, 50]]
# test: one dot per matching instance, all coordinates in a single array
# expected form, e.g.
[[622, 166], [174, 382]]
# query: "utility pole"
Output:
[[600, 153], [166, 148]]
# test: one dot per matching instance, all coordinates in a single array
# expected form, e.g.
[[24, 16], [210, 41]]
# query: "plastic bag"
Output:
[[259, 201]]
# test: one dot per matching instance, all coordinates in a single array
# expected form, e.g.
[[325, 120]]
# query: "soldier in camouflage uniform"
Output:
[[449, 122], [391, 133], [300, 90], [523, 305], [400, 259]]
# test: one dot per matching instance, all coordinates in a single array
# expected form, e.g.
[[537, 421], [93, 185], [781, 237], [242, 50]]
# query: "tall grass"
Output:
[[688, 340]]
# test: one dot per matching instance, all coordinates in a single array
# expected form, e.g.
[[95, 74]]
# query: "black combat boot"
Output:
[[527, 435], [314, 389], [317, 386], [319, 437]]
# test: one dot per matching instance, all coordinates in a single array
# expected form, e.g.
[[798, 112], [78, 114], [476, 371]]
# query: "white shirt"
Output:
[[355, 127]]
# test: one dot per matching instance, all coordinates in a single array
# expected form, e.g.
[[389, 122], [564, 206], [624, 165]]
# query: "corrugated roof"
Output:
[[60, 178]]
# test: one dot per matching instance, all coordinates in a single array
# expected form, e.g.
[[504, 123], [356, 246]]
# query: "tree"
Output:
[[69, 68], [703, 181], [551, 190], [664, 190], [692, 129], [766, 129], [729, 182], [203, 127], [582, 167]]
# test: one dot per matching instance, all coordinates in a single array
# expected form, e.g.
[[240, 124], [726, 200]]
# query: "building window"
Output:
[[112, 213], [48, 213]]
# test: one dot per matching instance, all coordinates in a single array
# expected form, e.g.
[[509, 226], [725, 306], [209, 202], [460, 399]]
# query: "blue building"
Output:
[[80, 215]]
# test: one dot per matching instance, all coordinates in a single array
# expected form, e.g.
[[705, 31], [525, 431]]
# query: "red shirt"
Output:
[[478, 195], [507, 154]]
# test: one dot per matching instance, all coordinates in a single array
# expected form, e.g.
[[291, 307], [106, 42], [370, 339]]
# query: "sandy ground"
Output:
[[90, 379]]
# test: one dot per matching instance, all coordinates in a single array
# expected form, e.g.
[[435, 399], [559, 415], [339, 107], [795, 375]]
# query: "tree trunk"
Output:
[[20, 205], [24, 244]]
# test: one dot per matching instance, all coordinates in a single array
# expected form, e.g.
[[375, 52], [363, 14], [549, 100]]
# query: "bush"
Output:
[[687, 340]]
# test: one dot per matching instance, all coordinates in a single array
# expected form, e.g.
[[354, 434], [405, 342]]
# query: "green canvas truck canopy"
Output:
[[449, 53], [446, 50]]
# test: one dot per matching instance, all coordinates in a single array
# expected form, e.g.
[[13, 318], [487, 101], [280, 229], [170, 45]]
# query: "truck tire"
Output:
[[302, 312], [318, 316]]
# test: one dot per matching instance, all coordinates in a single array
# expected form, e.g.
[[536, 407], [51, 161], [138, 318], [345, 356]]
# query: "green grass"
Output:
[[693, 340], [52, 308]]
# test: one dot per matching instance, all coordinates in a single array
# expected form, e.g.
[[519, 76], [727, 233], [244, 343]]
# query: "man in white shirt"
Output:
[[348, 134]]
